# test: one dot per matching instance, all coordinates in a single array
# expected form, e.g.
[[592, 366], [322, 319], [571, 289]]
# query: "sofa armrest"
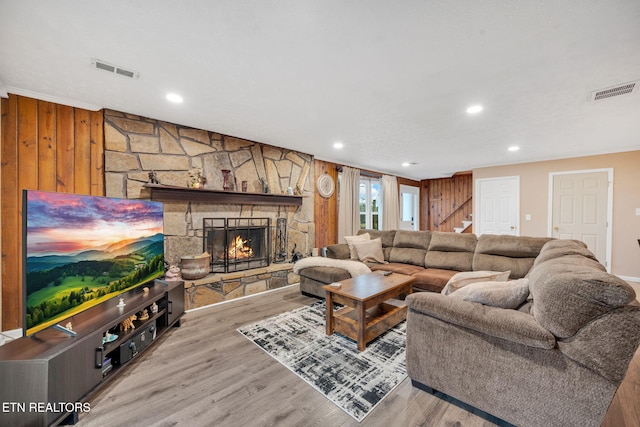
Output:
[[607, 344], [511, 325]]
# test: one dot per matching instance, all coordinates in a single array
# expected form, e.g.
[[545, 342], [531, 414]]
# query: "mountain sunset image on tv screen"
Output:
[[82, 250]]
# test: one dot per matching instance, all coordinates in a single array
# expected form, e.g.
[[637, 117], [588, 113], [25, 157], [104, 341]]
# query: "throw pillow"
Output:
[[352, 239], [464, 278], [370, 251], [496, 294]]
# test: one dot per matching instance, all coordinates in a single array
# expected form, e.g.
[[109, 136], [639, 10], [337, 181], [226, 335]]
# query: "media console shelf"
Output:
[[46, 376]]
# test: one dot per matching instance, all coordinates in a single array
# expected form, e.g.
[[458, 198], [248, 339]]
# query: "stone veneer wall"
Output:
[[135, 146]]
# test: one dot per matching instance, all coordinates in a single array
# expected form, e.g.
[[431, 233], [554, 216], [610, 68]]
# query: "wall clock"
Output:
[[325, 185]]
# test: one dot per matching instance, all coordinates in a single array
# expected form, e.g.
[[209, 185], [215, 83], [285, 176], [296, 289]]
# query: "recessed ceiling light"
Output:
[[513, 148], [174, 97], [338, 145], [405, 164], [475, 109]]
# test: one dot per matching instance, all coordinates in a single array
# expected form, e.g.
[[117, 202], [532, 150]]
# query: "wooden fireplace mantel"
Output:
[[172, 193]]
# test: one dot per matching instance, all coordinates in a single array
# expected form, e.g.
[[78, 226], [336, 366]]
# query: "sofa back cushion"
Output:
[[410, 247], [571, 291], [563, 247], [386, 237], [501, 253], [451, 251]]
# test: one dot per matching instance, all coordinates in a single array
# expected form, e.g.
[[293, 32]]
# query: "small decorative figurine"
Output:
[[196, 180], [153, 178], [145, 290], [154, 308], [143, 315], [128, 323], [121, 303], [173, 273], [297, 191], [69, 326]]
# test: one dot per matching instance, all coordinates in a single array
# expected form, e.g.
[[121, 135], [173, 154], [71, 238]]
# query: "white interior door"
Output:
[[580, 209], [409, 207], [497, 202]]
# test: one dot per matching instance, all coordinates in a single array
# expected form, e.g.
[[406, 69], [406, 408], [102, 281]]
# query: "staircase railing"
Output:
[[460, 206]]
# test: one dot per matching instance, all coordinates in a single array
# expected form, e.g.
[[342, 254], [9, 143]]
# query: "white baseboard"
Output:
[[629, 278]]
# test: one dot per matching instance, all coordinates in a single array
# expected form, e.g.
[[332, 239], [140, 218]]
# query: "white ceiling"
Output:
[[390, 79]]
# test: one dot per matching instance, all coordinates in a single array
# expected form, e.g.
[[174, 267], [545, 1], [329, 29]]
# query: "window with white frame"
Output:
[[370, 203]]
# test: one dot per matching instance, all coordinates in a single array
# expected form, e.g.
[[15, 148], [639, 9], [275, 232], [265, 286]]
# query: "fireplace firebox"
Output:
[[237, 244]]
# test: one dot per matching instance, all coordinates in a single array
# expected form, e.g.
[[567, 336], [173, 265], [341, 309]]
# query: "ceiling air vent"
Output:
[[105, 66], [622, 89]]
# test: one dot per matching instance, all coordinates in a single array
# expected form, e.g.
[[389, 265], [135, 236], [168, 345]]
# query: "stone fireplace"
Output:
[[237, 244], [136, 146]]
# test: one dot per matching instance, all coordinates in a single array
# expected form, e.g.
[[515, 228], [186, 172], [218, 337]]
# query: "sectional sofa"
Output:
[[555, 358], [432, 258]]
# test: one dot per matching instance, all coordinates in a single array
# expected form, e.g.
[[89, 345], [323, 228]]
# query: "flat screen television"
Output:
[[79, 251]]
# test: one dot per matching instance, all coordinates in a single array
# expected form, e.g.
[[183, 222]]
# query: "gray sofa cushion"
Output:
[[325, 274], [509, 294], [510, 325], [396, 267], [502, 253], [451, 251], [571, 291], [410, 247], [560, 248], [432, 279]]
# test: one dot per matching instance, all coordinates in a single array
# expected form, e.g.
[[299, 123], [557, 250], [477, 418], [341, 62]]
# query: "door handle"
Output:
[[513, 227], [556, 228]]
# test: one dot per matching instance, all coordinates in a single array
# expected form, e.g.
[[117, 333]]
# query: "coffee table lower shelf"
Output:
[[378, 319]]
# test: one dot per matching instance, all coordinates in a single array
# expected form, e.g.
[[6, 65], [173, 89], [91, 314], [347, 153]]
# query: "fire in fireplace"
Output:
[[237, 244]]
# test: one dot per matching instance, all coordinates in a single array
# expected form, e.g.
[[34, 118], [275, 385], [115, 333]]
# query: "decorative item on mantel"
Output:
[[195, 266], [265, 186], [196, 180], [226, 185], [153, 177]]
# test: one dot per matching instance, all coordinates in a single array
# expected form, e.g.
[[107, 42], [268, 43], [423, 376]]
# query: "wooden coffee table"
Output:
[[367, 312]]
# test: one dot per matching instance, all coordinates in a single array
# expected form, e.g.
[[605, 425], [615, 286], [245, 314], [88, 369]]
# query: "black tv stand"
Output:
[[47, 377]]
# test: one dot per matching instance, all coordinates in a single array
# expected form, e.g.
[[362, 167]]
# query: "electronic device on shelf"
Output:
[[80, 250]]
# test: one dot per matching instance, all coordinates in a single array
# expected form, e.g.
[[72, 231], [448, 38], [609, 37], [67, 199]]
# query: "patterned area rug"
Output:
[[355, 381]]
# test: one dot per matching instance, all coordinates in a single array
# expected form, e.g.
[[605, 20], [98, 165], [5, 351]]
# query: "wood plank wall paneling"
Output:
[[325, 211], [44, 146], [441, 201]]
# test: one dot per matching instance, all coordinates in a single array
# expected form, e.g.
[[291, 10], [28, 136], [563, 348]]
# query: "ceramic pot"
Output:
[[194, 267]]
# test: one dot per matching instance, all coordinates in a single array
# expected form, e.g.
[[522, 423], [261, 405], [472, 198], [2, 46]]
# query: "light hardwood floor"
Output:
[[205, 373]]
